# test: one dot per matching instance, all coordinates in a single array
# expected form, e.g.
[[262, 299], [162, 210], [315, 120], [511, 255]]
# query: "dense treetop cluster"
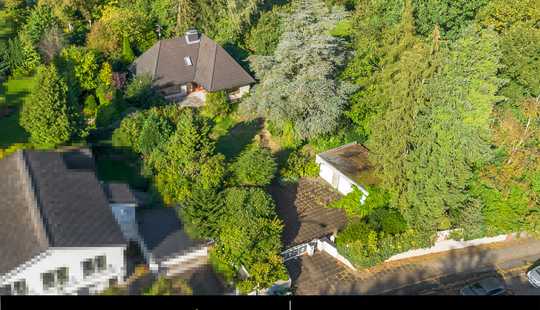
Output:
[[445, 94]]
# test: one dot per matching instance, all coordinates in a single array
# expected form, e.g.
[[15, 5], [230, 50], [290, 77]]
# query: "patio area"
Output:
[[195, 99]]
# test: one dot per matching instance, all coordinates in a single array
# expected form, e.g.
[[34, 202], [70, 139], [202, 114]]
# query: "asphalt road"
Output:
[[515, 280], [508, 262]]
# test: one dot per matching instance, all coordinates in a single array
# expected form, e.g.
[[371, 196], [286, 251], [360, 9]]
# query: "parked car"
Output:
[[486, 287], [534, 276]]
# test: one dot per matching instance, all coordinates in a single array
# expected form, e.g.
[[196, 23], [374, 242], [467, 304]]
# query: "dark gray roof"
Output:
[[50, 205], [163, 234], [213, 67], [79, 159], [119, 193], [21, 234], [303, 209]]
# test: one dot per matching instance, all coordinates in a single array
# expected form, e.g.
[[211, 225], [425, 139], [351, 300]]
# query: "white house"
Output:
[[345, 167], [58, 234]]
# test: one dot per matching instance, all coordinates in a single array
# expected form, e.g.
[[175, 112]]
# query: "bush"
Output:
[[127, 52], [217, 104], [13, 148], [141, 93], [387, 220], [155, 131], [104, 95], [107, 113], [299, 164], [127, 135], [165, 286], [371, 248], [285, 135], [377, 198], [114, 291], [90, 107], [255, 166], [503, 212]]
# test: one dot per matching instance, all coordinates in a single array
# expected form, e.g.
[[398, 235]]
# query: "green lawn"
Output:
[[12, 93]]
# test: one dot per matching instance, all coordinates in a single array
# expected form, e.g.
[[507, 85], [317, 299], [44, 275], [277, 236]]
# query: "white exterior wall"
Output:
[[71, 258], [241, 92], [344, 185], [125, 217], [444, 243], [326, 172], [332, 251]]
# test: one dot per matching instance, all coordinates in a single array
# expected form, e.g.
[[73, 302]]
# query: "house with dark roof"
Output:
[[310, 226], [57, 232], [192, 65], [64, 232]]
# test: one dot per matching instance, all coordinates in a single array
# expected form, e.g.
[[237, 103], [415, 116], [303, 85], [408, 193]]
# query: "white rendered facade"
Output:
[[338, 180], [97, 279]]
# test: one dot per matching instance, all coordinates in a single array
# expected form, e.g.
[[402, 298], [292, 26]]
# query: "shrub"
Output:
[[107, 113], [387, 220], [299, 164], [255, 166], [155, 131], [141, 93], [127, 52], [377, 198], [285, 135], [114, 291], [90, 106], [13, 148], [104, 95], [127, 135], [372, 248], [217, 104], [165, 286]]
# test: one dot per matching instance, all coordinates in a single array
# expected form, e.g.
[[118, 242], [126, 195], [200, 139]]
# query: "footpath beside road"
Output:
[[427, 273]]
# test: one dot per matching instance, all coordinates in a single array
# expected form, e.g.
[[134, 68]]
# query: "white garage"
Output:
[[345, 167]]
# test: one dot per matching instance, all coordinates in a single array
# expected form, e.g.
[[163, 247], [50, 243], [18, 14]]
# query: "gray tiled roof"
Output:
[[303, 209], [213, 67], [163, 234], [21, 235], [50, 205], [119, 193]]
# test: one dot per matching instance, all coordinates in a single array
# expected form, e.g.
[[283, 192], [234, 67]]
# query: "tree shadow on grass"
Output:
[[119, 165], [239, 137], [282, 156], [11, 131]]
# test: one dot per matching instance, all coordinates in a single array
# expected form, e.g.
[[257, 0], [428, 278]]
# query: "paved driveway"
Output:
[[422, 275]]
